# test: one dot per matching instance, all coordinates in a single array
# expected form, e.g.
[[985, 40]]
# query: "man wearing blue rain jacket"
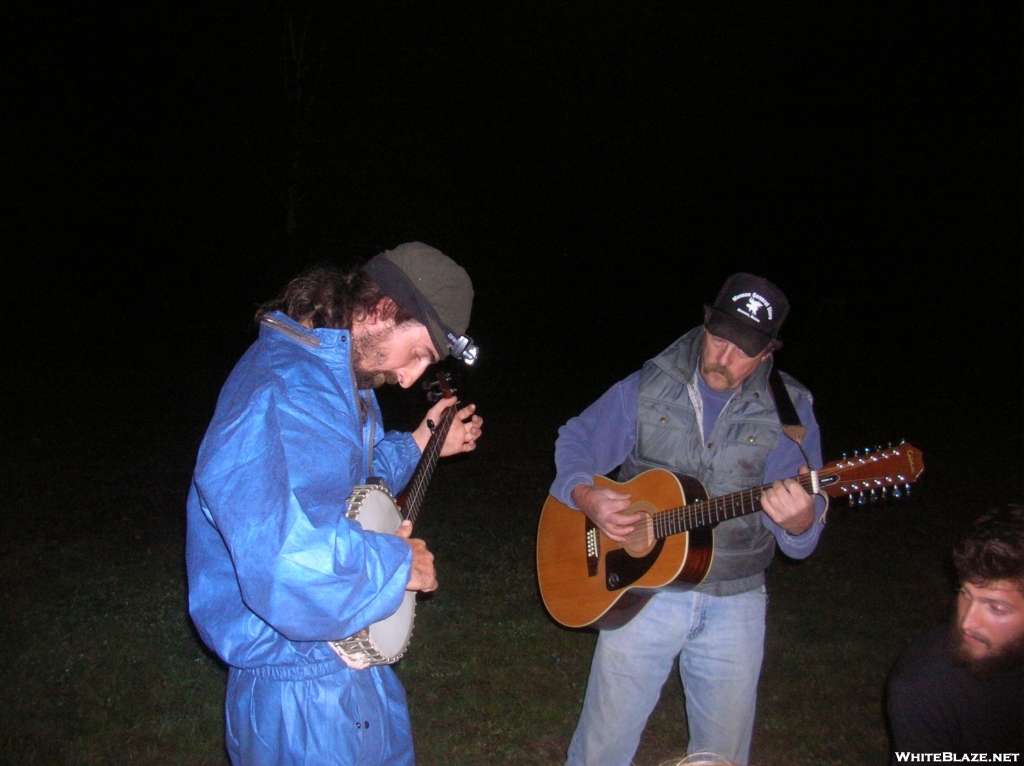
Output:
[[275, 568]]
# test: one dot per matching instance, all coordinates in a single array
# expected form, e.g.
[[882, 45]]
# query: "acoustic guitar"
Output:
[[586, 578]]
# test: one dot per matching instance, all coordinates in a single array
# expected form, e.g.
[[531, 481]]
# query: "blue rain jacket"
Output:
[[275, 569]]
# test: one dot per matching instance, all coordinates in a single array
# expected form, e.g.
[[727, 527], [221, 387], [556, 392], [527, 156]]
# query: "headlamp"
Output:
[[462, 347]]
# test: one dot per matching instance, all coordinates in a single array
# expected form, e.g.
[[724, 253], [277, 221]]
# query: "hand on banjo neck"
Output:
[[445, 430], [465, 428]]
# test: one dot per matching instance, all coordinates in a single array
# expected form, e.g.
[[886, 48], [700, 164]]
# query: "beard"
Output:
[[997, 662], [369, 354]]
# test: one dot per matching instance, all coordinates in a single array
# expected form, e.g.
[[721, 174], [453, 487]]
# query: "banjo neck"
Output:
[[410, 501]]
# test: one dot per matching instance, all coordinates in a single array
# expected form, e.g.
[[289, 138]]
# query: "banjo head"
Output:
[[374, 508], [383, 643]]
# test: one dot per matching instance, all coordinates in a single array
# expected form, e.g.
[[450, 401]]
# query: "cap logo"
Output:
[[754, 303]]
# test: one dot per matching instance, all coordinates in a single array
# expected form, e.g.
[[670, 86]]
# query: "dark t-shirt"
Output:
[[935, 706]]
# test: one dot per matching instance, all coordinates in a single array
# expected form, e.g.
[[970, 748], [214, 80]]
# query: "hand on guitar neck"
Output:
[[422, 576], [788, 504]]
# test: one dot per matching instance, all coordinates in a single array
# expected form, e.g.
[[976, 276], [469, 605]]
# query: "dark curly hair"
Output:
[[994, 550], [326, 296]]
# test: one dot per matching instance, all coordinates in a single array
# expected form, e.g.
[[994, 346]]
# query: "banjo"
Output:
[[374, 508]]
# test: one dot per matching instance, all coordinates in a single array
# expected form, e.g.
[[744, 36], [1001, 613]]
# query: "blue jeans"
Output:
[[720, 644]]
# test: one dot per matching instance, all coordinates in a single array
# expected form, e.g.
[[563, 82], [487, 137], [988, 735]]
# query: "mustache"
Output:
[[976, 637], [710, 367]]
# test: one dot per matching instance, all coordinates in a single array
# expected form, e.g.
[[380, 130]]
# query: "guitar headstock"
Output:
[[872, 473], [439, 389]]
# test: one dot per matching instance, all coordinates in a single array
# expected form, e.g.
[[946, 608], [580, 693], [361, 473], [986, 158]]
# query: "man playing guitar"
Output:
[[702, 408]]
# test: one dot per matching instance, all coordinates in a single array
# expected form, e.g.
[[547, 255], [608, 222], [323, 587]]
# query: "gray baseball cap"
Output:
[[434, 289]]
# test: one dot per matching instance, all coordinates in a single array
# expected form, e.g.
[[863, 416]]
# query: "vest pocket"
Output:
[[743, 452], [665, 434]]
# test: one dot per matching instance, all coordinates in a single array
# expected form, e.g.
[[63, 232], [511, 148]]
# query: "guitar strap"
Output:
[[791, 425], [788, 416]]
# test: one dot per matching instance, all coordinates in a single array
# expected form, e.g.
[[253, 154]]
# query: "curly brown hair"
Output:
[[326, 296], [994, 550]]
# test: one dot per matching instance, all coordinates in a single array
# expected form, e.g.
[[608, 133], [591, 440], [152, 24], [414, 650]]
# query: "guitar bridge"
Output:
[[593, 548]]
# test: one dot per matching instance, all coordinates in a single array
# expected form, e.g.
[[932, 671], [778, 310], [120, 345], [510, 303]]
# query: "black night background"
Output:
[[598, 168]]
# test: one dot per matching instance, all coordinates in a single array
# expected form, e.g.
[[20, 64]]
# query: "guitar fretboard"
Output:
[[704, 513]]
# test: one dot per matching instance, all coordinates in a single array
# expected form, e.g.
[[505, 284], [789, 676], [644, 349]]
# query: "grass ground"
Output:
[[101, 665]]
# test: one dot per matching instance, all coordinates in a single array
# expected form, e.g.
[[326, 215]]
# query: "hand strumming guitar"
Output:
[[606, 508]]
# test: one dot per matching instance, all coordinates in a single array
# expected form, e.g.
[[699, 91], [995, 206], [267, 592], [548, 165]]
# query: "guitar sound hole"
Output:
[[641, 540]]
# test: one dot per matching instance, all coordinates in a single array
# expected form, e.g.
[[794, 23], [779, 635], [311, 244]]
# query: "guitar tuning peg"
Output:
[[873, 497], [897, 492], [852, 499], [862, 499], [906, 489]]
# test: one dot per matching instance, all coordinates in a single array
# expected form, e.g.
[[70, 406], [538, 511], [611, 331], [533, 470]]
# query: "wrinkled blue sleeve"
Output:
[[395, 456], [784, 462], [273, 479], [598, 440]]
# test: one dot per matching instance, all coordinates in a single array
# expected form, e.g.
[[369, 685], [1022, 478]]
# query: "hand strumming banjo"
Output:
[[374, 508]]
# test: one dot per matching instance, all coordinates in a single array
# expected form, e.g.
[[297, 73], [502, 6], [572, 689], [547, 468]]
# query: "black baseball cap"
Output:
[[749, 311]]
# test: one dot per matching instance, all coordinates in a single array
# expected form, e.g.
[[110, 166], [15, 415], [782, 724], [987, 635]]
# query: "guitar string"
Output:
[[713, 510]]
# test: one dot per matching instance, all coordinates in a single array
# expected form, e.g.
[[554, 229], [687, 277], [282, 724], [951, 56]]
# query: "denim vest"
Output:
[[729, 459]]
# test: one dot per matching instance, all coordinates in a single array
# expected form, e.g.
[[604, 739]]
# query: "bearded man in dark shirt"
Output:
[[960, 689]]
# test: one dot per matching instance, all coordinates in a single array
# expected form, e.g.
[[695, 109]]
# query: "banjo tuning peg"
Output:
[[435, 392]]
